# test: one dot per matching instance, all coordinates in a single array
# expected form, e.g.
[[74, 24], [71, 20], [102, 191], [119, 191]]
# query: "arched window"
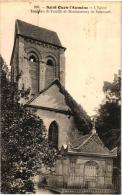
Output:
[[90, 173], [34, 71], [53, 134], [32, 58], [50, 62], [50, 74]]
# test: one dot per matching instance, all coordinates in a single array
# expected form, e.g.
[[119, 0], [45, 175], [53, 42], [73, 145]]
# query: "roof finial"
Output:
[[93, 128]]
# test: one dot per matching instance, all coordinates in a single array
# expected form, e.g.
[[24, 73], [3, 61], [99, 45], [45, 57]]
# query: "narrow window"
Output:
[[50, 74], [53, 134], [50, 63], [34, 72], [32, 59]]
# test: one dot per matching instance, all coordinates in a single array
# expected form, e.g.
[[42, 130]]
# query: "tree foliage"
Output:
[[109, 113], [23, 141], [81, 118], [108, 121]]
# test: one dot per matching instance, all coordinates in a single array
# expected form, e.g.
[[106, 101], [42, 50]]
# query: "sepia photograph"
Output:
[[60, 97]]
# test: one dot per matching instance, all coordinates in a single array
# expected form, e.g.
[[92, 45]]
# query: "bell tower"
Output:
[[37, 58]]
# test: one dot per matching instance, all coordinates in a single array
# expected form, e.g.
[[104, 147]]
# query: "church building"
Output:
[[38, 65]]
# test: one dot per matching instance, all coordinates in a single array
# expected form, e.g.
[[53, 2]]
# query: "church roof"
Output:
[[77, 139], [89, 144], [60, 99], [114, 151], [37, 33]]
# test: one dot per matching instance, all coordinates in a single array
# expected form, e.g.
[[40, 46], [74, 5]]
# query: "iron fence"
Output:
[[98, 184]]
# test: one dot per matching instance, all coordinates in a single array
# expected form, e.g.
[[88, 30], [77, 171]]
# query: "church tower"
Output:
[[37, 58]]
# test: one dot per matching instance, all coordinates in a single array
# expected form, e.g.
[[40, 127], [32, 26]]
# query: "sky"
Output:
[[93, 53]]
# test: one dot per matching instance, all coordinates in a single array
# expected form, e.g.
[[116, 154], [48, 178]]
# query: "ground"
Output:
[[43, 191]]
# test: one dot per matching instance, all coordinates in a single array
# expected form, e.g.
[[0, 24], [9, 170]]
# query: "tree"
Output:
[[109, 118], [24, 144], [109, 113]]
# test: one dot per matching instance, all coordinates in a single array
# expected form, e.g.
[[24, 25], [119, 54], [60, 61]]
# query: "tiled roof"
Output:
[[37, 33], [76, 139], [77, 111], [88, 144]]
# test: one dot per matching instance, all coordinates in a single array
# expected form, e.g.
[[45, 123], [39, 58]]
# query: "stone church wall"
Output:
[[20, 60], [44, 51], [65, 124], [76, 174], [14, 62]]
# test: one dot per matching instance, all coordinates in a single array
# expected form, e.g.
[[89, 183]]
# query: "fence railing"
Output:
[[117, 183], [79, 182]]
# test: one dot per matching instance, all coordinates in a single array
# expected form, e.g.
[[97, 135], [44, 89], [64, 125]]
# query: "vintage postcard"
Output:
[[60, 97]]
